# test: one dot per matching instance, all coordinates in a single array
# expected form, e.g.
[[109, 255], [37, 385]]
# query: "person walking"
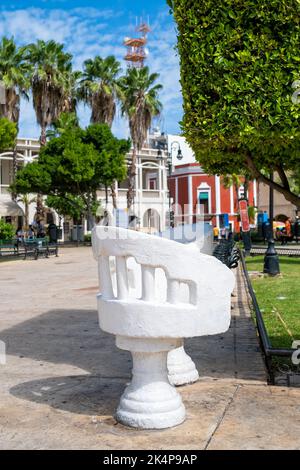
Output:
[[30, 233], [216, 232], [287, 231], [19, 235], [40, 230]]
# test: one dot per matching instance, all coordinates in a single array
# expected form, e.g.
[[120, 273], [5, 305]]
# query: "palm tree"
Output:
[[25, 199], [71, 92], [14, 77], [50, 82], [63, 123], [15, 82], [99, 88], [139, 102]]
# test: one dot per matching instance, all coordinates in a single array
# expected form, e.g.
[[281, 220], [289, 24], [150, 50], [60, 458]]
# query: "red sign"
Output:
[[243, 205]]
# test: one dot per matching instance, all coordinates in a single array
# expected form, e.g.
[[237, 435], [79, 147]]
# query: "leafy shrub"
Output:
[[88, 238], [7, 231]]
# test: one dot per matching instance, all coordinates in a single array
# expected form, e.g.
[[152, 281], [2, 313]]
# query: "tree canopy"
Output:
[[8, 134], [74, 166], [239, 59], [99, 88], [14, 77], [53, 81]]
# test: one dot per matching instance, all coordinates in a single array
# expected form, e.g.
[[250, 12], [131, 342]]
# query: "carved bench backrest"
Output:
[[181, 264]]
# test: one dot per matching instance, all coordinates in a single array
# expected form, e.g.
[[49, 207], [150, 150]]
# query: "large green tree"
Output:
[[239, 59], [8, 134], [68, 205], [74, 166], [64, 123], [139, 102]]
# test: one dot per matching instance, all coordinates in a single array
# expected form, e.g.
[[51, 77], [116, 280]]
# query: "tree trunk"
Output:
[[246, 187], [131, 179], [43, 139], [40, 209], [114, 195], [15, 169], [106, 196], [90, 215], [26, 216], [237, 198], [285, 191]]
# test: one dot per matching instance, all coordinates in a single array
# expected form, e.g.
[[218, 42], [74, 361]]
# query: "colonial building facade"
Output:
[[26, 151], [151, 202], [167, 179]]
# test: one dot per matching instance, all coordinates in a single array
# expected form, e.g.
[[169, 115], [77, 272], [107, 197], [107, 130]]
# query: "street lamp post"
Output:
[[271, 260], [175, 145]]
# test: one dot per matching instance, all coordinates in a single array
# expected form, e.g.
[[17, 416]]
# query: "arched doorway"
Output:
[[151, 220]]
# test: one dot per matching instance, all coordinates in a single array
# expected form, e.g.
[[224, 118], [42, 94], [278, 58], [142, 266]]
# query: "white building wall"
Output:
[[187, 152]]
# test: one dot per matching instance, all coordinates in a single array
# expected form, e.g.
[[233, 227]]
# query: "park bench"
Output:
[[227, 253], [33, 248], [9, 248], [39, 247], [148, 326]]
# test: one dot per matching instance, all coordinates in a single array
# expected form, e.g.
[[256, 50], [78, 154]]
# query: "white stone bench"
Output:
[[155, 322]]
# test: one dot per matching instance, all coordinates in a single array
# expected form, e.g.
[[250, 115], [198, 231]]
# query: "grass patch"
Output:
[[279, 300]]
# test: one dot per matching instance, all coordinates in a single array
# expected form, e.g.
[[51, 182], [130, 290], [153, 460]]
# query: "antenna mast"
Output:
[[136, 52]]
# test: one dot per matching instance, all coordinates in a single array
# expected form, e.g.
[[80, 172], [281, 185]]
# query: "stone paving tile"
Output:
[[64, 377], [260, 418]]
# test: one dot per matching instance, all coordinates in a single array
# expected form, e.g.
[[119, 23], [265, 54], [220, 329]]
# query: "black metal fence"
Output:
[[268, 351]]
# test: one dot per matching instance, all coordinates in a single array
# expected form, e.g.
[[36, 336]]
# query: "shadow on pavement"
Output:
[[73, 337]]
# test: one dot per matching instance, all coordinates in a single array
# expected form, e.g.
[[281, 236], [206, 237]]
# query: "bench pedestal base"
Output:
[[149, 401], [181, 368]]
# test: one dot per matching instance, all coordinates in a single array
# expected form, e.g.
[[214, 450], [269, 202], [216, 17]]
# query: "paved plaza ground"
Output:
[[64, 377]]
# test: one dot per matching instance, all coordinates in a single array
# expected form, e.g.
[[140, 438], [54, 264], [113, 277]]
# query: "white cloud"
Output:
[[87, 32]]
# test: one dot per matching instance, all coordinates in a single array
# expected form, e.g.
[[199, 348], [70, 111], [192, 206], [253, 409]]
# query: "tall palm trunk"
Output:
[[114, 195], [11, 110], [40, 209], [43, 139], [14, 171], [26, 215]]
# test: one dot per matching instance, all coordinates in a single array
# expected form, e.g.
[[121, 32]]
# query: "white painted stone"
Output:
[[181, 368], [149, 401], [158, 319]]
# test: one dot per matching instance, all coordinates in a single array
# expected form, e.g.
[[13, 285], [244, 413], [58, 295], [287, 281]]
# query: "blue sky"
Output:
[[91, 27]]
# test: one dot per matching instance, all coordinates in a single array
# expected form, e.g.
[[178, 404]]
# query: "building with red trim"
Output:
[[194, 193]]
